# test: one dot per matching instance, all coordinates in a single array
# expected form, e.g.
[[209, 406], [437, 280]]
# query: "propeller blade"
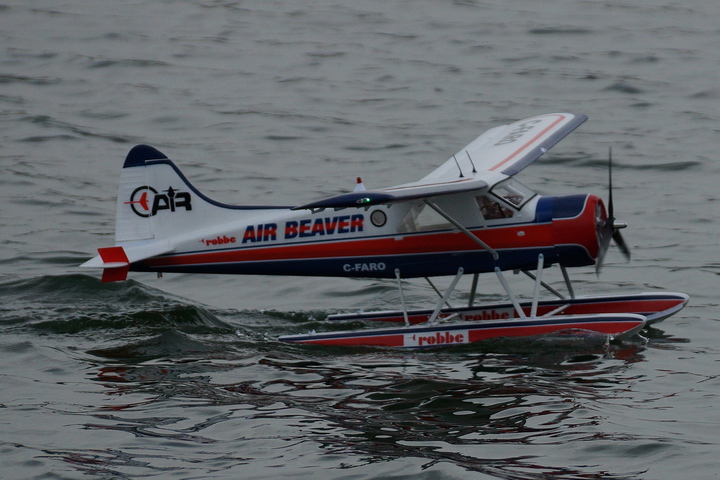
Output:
[[611, 209], [606, 234], [620, 242], [610, 230]]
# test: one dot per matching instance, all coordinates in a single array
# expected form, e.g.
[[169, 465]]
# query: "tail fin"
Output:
[[156, 201], [156, 205]]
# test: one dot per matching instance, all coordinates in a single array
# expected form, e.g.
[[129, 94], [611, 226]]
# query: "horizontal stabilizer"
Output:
[[408, 191], [113, 257], [115, 264], [115, 261]]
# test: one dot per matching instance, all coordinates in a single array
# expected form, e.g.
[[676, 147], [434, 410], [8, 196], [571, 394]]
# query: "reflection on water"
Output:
[[483, 411], [162, 375]]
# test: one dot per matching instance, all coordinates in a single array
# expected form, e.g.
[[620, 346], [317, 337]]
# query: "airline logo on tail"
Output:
[[146, 202]]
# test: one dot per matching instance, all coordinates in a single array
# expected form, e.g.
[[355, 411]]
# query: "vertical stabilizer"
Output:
[[156, 201], [159, 210]]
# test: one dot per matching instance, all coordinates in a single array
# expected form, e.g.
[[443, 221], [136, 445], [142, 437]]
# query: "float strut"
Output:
[[445, 297], [473, 290], [402, 297], [437, 291], [547, 287], [509, 292], [538, 283], [566, 276]]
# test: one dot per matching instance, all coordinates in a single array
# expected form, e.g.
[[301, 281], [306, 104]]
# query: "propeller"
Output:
[[609, 228]]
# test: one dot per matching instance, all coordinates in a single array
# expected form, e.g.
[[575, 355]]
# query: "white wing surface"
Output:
[[400, 193], [509, 148], [496, 154]]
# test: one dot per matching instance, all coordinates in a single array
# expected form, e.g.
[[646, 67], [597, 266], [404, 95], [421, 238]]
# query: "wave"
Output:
[[169, 344], [136, 321], [73, 304], [141, 323], [592, 160]]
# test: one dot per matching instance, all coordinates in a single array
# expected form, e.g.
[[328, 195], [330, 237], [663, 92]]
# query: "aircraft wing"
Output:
[[509, 148], [501, 151], [400, 193]]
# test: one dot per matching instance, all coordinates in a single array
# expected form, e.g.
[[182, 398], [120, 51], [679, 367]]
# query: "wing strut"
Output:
[[462, 228]]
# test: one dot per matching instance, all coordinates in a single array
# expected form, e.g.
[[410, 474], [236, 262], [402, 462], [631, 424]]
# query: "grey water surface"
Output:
[[283, 102]]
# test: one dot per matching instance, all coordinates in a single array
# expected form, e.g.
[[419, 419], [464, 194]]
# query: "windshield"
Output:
[[513, 195], [513, 192]]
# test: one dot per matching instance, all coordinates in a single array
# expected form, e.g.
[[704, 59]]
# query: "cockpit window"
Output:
[[505, 195], [513, 192], [491, 209]]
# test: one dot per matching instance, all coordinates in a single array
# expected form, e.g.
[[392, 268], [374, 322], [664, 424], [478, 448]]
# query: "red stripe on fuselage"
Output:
[[532, 236], [579, 230]]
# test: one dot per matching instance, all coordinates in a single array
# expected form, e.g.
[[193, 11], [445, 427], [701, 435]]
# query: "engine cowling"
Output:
[[577, 222]]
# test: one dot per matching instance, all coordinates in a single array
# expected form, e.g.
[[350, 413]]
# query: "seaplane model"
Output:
[[467, 217]]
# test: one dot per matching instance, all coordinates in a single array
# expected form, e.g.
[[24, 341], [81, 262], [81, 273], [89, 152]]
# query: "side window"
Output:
[[422, 218], [491, 209]]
